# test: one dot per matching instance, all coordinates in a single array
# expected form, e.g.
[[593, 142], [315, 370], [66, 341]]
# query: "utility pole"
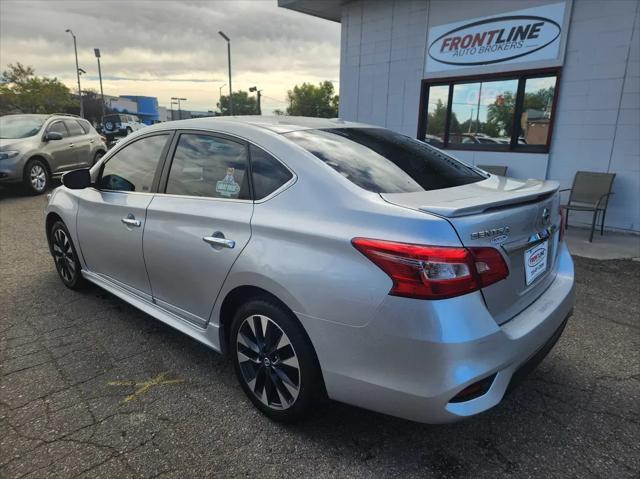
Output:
[[229, 59], [97, 53], [75, 48]]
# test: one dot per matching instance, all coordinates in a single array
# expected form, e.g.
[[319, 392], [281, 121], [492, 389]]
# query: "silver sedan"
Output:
[[327, 258]]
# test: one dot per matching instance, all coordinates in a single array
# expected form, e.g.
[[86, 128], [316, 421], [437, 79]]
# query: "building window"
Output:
[[495, 113]]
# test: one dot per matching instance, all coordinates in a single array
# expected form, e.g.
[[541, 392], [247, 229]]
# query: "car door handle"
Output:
[[70, 145], [131, 221], [215, 241]]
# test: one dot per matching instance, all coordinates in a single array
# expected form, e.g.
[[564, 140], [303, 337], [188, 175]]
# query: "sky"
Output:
[[166, 48]]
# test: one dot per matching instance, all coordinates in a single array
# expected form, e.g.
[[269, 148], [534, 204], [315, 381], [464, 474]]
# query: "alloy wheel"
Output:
[[38, 177], [268, 362], [63, 255]]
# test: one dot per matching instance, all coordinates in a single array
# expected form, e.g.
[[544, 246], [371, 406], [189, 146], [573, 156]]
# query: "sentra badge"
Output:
[[490, 233]]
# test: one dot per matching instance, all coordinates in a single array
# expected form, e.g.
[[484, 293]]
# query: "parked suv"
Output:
[[33, 148], [119, 125]]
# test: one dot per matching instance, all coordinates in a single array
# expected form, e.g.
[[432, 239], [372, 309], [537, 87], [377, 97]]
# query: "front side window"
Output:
[[383, 161], [209, 166], [268, 174], [58, 127], [133, 168], [498, 114], [74, 128]]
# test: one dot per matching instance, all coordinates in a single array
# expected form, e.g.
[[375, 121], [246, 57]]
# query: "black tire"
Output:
[[36, 176], [274, 379], [65, 257]]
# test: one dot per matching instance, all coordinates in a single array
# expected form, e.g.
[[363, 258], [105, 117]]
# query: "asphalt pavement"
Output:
[[91, 387]]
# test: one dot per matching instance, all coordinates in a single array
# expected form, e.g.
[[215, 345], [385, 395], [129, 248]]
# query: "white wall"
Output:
[[597, 123], [381, 63]]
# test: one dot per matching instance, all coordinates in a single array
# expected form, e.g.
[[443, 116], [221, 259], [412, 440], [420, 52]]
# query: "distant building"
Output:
[[121, 104], [201, 114], [163, 114], [147, 108]]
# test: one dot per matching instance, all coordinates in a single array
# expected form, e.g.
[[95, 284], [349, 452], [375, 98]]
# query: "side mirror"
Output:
[[52, 136], [77, 179]]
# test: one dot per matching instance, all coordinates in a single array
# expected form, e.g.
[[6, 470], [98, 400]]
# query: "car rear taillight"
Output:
[[561, 234], [433, 272]]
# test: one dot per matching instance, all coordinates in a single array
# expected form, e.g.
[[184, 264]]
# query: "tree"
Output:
[[243, 104], [500, 115], [310, 100], [92, 102], [21, 91], [436, 121]]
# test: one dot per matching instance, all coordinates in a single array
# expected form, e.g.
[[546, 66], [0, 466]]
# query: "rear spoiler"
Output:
[[489, 195]]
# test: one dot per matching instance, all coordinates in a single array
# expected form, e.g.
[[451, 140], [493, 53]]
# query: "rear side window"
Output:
[[383, 161], [58, 127], [85, 125], [74, 128], [268, 174], [209, 166], [133, 168]]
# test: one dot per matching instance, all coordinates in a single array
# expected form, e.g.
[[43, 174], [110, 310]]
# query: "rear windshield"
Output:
[[383, 161], [114, 118]]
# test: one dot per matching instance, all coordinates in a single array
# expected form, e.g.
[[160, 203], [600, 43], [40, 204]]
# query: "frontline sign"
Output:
[[526, 35]]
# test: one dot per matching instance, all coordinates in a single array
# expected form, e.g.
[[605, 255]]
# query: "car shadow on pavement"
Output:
[[540, 415]]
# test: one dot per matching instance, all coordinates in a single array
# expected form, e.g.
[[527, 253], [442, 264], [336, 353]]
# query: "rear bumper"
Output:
[[414, 356]]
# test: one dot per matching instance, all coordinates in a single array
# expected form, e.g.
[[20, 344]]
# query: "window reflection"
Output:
[[483, 112], [437, 114], [535, 120]]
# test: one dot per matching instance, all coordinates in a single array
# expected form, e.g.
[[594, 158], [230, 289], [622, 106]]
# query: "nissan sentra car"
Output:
[[327, 258]]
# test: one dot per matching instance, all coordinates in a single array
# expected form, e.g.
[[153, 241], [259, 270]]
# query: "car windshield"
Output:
[[19, 126], [383, 161], [113, 118]]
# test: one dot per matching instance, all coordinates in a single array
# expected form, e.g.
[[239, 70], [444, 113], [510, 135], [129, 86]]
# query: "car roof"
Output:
[[277, 124]]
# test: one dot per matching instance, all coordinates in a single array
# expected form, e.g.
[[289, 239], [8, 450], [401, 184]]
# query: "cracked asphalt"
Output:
[[69, 360]]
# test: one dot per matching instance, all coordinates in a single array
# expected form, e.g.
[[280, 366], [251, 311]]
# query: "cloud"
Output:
[[165, 48]]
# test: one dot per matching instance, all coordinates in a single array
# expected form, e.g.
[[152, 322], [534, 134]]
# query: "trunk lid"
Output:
[[518, 217]]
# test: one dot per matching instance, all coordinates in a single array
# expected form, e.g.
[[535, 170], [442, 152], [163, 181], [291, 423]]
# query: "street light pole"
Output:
[[97, 53], [179, 107], [75, 48], [173, 103], [220, 93], [229, 59], [259, 94]]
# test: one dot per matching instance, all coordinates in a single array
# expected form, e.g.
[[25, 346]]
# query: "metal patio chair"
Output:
[[494, 169], [590, 192]]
